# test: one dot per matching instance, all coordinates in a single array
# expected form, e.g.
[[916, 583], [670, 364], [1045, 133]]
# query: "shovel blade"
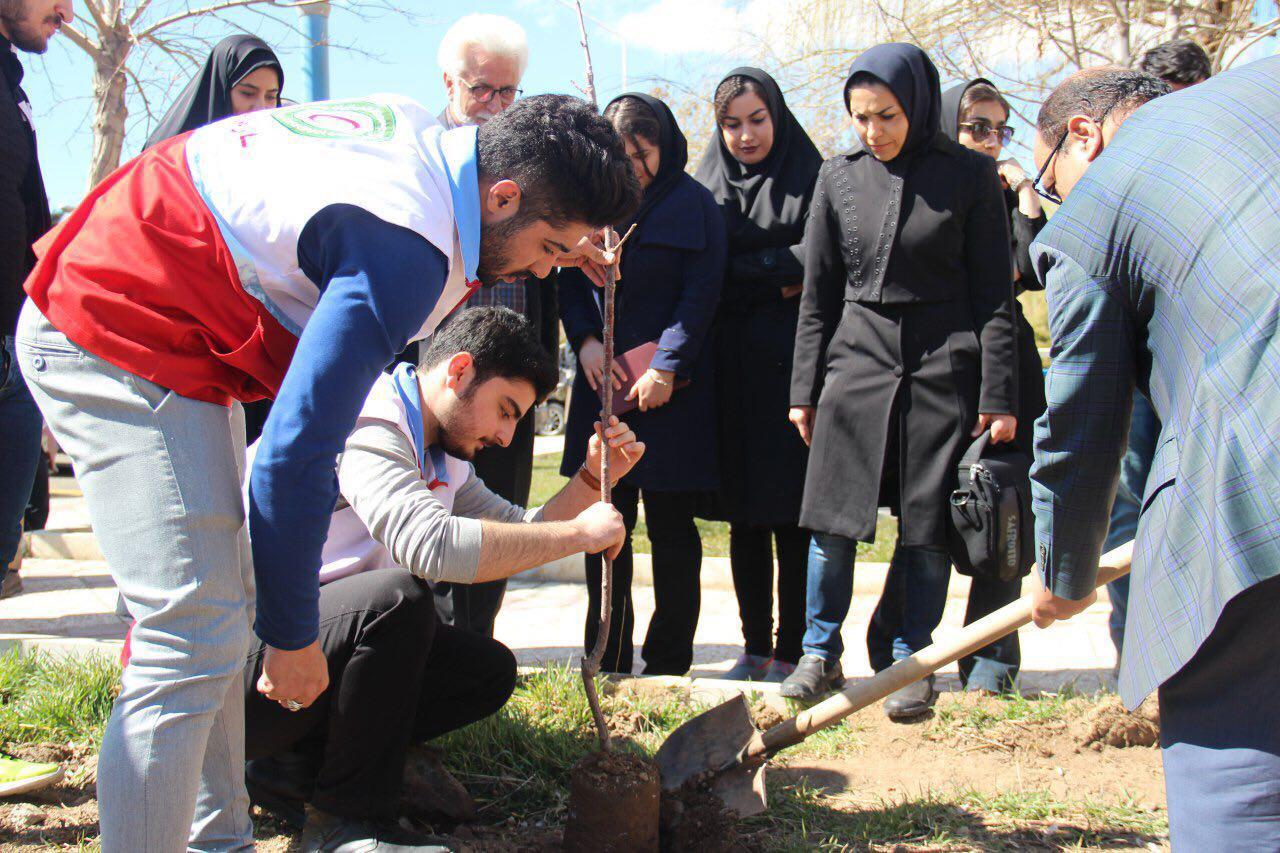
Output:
[[708, 748]]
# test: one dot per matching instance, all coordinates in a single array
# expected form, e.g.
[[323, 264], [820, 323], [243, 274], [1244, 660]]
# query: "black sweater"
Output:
[[24, 207]]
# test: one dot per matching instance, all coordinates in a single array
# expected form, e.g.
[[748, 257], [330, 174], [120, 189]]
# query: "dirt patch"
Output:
[[889, 761], [1111, 724], [613, 804], [61, 815], [764, 716], [694, 819]]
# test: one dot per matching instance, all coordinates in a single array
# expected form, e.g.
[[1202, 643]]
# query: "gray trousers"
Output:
[[161, 475]]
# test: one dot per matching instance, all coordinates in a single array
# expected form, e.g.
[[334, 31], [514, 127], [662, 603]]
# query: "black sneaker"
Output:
[[814, 677], [326, 833], [281, 784], [911, 701]]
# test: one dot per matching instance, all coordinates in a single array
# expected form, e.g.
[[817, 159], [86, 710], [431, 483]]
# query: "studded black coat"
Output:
[[905, 334]]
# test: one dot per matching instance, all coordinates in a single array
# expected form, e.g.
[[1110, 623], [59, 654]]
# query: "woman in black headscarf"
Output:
[[668, 287], [904, 353], [760, 166], [240, 76]]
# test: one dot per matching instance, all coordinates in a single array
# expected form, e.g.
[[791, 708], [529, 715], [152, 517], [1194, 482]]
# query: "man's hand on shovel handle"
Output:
[[1047, 608]]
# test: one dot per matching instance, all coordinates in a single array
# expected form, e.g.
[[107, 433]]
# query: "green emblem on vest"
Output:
[[339, 120]]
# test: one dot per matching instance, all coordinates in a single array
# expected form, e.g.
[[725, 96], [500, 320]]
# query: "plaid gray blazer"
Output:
[[1162, 270]]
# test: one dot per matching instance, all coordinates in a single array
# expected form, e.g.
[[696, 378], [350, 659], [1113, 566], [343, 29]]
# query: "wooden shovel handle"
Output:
[[966, 641]]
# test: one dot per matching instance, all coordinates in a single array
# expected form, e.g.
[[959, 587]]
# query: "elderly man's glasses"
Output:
[[485, 93], [980, 130]]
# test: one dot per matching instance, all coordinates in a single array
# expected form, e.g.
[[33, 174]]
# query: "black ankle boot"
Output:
[[813, 678]]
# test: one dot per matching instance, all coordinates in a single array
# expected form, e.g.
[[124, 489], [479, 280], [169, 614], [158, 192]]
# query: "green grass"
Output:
[[44, 698], [517, 765], [1014, 707], [715, 534]]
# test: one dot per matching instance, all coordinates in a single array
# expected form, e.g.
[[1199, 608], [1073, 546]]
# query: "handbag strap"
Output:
[[975, 451]]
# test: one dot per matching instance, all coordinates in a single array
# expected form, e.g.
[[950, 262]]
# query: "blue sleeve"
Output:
[[682, 340], [1080, 439], [579, 311], [379, 282]]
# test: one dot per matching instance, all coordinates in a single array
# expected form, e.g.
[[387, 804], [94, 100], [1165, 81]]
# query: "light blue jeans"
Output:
[[161, 476], [922, 575]]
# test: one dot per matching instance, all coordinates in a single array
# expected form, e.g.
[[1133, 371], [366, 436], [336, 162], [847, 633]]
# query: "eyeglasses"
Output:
[[980, 129], [1052, 194], [484, 93], [1048, 194]]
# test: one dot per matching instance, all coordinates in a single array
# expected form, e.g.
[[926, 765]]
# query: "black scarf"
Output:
[[673, 153], [207, 97], [951, 105], [913, 79], [754, 198]]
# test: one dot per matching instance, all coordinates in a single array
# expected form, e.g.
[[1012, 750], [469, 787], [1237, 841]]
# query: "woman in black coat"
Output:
[[904, 352], [976, 115], [760, 166], [669, 283]]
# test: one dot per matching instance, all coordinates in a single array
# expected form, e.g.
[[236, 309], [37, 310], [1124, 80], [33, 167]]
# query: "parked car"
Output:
[[549, 417]]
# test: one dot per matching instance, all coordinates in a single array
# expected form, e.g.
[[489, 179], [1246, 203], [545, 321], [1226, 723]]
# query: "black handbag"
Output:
[[992, 531]]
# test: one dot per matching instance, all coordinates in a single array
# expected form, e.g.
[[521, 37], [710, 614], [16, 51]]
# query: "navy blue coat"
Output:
[[672, 271]]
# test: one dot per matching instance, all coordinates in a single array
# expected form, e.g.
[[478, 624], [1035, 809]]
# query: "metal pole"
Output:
[[315, 63]]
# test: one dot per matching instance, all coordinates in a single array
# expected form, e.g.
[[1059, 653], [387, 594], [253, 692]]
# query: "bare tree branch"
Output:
[[80, 40], [99, 22], [222, 5]]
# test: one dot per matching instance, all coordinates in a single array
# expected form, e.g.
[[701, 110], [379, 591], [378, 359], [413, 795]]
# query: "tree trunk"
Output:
[[109, 108]]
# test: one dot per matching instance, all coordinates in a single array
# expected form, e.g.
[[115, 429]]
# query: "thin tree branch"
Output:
[[99, 22], [221, 6], [79, 39], [137, 13]]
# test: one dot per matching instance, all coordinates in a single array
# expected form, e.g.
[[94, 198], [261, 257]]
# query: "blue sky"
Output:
[[685, 41], [60, 83]]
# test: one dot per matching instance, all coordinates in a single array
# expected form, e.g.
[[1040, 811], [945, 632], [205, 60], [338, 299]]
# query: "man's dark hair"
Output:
[[501, 343], [568, 160], [1110, 91], [1180, 61]]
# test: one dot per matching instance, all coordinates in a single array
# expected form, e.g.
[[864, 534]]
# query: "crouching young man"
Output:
[[411, 510]]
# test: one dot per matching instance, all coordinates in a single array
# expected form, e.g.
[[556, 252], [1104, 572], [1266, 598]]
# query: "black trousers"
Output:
[[677, 594], [751, 550], [396, 677]]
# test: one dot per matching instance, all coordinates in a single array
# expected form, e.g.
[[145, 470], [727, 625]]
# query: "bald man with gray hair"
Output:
[[482, 58]]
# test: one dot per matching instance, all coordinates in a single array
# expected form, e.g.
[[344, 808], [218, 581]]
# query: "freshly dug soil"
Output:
[[1110, 724], [694, 819], [613, 805], [764, 716]]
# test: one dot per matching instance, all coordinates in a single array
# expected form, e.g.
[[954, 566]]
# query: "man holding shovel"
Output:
[[288, 253], [1162, 270]]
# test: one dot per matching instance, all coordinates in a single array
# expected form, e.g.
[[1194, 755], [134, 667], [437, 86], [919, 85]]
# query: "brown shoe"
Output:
[[430, 789], [12, 584]]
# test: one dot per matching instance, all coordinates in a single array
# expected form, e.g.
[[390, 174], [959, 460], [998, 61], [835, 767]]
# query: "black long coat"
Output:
[[905, 335], [669, 284], [1031, 397]]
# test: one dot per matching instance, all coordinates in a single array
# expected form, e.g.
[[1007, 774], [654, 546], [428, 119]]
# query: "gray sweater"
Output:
[[378, 476]]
